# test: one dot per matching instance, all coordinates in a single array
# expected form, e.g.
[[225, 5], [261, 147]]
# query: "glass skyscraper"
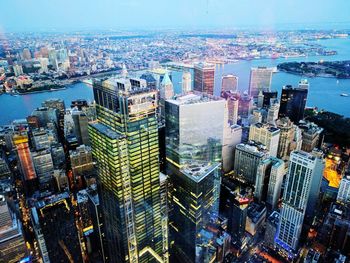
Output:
[[124, 142], [194, 133]]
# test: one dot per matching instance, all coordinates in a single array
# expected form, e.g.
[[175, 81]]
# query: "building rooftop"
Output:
[[194, 98], [274, 218], [256, 211], [106, 131], [197, 171]]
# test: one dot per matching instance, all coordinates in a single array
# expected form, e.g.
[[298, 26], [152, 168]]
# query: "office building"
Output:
[[80, 120], [292, 103], [287, 134], [126, 134], [260, 80], [256, 216], [344, 190], [55, 229], [272, 223], [229, 83], [267, 135], [56, 104], [272, 112], [194, 135], [299, 198], [186, 82], [269, 180], [45, 116], [26, 54], [12, 244], [232, 137], [44, 169], [268, 96], [81, 162], [245, 105], [166, 88], [204, 77], [58, 155], [247, 159], [232, 100], [5, 172], [40, 139], [24, 156], [312, 136]]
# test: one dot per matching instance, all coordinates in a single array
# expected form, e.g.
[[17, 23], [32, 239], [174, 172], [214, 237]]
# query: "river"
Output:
[[324, 93]]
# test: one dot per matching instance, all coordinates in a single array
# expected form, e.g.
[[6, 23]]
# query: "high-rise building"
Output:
[[166, 88], [232, 137], [292, 103], [299, 197], [40, 139], [312, 136], [194, 134], [269, 178], [232, 107], [245, 105], [5, 172], [186, 82], [267, 135], [247, 159], [229, 83], [12, 243], [124, 142], [26, 54], [55, 229], [45, 116], [44, 169], [81, 162], [20, 141], [57, 104], [204, 75], [272, 112], [260, 80], [268, 96], [286, 139], [80, 120], [256, 216], [271, 229], [344, 190]]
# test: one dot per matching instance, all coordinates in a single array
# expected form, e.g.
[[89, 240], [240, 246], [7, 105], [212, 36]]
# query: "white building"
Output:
[[300, 195], [344, 190], [267, 135]]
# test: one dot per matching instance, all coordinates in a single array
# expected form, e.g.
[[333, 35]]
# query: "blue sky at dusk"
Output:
[[23, 15]]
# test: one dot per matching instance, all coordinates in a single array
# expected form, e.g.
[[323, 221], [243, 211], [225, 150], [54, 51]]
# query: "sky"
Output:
[[37, 15]]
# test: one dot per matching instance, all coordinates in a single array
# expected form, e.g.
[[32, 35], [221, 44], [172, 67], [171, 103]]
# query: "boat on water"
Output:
[[344, 95]]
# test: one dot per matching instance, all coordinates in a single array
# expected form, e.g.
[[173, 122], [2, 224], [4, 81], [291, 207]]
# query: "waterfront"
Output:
[[323, 93]]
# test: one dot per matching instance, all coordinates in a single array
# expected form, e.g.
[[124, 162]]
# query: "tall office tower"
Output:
[[286, 139], [293, 101], [166, 88], [245, 105], [268, 95], [272, 112], [81, 162], [58, 156], [269, 180], [12, 245], [20, 141], [194, 134], [5, 172], [267, 135], [229, 83], [300, 195], [232, 105], [204, 75], [303, 84], [247, 159], [43, 165], [26, 55], [53, 58], [17, 70], [55, 229], [186, 82], [344, 190], [126, 134], [45, 116], [271, 229], [260, 100], [260, 80], [40, 139], [81, 120], [232, 137], [57, 104], [312, 136]]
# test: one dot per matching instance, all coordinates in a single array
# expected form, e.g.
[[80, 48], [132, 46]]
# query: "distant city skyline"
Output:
[[42, 15]]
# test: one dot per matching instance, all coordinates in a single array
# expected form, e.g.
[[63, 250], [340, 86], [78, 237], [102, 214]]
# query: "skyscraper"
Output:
[[260, 80], [293, 101], [166, 87], [24, 156], [300, 195], [229, 83], [267, 135], [186, 82], [194, 134], [344, 190], [124, 142], [204, 75]]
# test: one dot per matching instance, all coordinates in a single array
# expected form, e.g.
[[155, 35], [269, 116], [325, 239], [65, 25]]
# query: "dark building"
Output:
[[204, 78], [268, 95], [80, 104], [55, 229], [293, 101]]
